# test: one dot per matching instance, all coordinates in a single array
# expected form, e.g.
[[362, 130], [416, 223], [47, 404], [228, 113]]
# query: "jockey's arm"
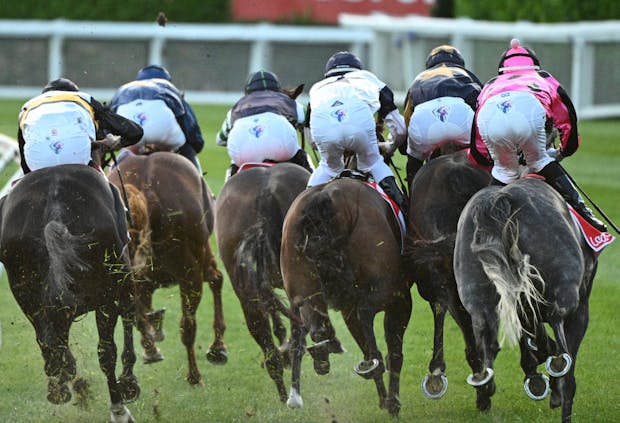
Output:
[[189, 125], [222, 136], [110, 122], [21, 142]]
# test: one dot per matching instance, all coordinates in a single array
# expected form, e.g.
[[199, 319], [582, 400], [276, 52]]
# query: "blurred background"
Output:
[[210, 46]]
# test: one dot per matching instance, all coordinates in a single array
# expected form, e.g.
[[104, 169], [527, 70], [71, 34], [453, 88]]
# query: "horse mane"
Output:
[[322, 245], [518, 283]]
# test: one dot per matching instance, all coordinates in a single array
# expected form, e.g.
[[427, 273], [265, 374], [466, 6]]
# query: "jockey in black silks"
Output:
[[154, 102]]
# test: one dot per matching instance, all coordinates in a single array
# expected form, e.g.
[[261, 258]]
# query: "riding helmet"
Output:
[[342, 62], [61, 84], [518, 57], [261, 81], [444, 54], [153, 71]]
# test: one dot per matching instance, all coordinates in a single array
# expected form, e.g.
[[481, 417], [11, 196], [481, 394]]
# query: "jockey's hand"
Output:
[[110, 142], [555, 154]]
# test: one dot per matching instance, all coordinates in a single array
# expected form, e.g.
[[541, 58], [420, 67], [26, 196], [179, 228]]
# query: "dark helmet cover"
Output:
[[342, 62], [262, 80], [61, 84], [153, 71], [444, 54]]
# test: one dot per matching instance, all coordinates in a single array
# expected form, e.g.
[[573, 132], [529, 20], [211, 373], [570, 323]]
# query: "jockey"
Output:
[[261, 126], [439, 107], [58, 126], [154, 102], [342, 108], [516, 110]]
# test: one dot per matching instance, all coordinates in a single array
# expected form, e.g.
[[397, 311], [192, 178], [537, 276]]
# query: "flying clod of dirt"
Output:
[[161, 19]]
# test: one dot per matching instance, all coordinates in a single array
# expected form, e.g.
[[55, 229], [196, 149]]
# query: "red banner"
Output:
[[323, 11]]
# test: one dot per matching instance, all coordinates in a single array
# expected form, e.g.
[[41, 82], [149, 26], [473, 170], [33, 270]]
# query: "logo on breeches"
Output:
[[339, 115], [140, 118], [257, 131], [505, 106], [56, 147], [441, 113]]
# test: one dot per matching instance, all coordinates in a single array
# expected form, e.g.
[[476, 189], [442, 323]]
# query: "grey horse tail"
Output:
[[322, 241], [258, 254], [65, 259], [495, 242]]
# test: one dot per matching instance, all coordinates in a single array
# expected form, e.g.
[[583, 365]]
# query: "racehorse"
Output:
[[438, 194], [507, 271], [62, 235], [341, 249], [171, 221], [248, 227]]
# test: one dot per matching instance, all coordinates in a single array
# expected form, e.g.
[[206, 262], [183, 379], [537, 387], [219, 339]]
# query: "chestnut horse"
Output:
[[521, 260], [62, 238], [341, 249], [248, 227], [171, 221]]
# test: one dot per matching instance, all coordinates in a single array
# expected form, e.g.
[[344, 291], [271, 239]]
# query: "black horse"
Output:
[[341, 248], [521, 260], [62, 238], [439, 192]]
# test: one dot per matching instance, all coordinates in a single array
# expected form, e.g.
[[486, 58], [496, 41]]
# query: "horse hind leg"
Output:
[[191, 294], [316, 317], [106, 317], [485, 331], [217, 352], [147, 322], [360, 324], [128, 382], [279, 331], [435, 383]]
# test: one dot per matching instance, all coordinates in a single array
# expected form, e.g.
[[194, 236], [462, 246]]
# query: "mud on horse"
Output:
[[341, 249]]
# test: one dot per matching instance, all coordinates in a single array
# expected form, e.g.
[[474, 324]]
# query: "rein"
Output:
[[120, 178]]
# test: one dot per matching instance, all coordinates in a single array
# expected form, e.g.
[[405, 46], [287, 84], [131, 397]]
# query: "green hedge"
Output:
[[113, 10]]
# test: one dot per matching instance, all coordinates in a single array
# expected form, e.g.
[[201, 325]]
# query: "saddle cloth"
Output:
[[596, 239]]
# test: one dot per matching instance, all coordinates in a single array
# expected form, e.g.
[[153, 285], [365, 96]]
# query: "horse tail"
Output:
[[258, 254], [495, 242], [425, 252], [141, 247], [63, 249], [322, 240]]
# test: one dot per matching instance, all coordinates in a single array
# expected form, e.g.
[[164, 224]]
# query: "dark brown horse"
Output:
[[439, 192], [521, 260], [62, 233], [248, 227], [171, 222], [341, 249]]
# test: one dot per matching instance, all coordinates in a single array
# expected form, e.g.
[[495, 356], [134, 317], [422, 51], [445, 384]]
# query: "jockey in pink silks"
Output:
[[516, 110]]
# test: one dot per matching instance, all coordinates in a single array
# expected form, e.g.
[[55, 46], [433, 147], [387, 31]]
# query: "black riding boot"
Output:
[[497, 182], [301, 158], [390, 187], [559, 180], [231, 171], [413, 165], [189, 153]]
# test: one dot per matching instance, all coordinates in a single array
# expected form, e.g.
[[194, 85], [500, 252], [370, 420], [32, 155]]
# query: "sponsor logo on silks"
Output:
[[505, 106], [337, 103], [441, 113], [339, 115], [54, 132], [140, 118], [56, 147], [257, 131]]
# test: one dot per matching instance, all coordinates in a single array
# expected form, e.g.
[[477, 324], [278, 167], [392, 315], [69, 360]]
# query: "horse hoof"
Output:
[[320, 354], [558, 366], [366, 368], [475, 380], [156, 319], [120, 414], [193, 378], [217, 356], [435, 386], [537, 387], [393, 407], [321, 367], [154, 357], [294, 399], [58, 393], [129, 388]]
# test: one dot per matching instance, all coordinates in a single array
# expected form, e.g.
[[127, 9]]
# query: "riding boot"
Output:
[[497, 182], [559, 180], [231, 171], [389, 186], [301, 158], [189, 153], [413, 165]]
